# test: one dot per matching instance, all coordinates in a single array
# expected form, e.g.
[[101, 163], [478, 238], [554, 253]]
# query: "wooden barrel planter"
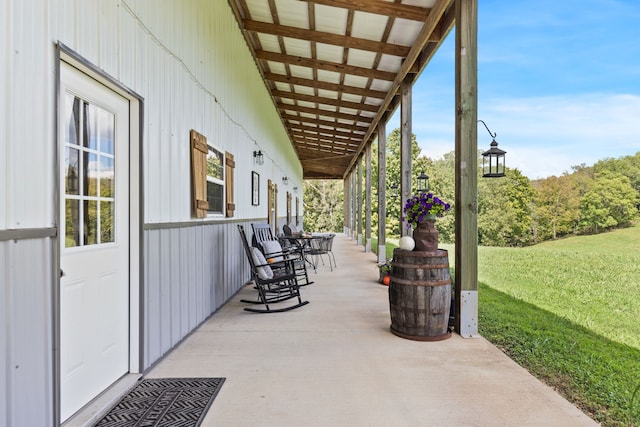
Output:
[[420, 295]]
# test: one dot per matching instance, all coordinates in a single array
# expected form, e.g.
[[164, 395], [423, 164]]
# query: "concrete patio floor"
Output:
[[334, 362]]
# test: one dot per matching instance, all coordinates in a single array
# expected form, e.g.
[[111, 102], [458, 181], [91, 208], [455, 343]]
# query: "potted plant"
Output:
[[385, 272], [421, 212]]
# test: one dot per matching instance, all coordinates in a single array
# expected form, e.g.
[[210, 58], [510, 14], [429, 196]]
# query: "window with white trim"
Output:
[[215, 181]]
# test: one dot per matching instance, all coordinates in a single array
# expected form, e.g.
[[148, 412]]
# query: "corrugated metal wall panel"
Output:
[[26, 362], [27, 135], [190, 273]]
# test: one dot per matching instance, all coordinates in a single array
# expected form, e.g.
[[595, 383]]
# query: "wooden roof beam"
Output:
[[327, 38], [320, 122], [325, 101], [281, 78], [324, 131], [326, 113], [316, 64], [397, 10], [431, 25], [338, 141]]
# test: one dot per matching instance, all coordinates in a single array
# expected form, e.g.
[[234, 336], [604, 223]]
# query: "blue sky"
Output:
[[558, 81]]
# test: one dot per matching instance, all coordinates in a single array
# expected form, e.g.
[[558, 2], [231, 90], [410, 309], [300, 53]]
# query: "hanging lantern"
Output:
[[423, 182], [493, 162]]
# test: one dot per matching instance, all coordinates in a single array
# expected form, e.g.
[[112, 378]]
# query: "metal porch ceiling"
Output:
[[334, 67]]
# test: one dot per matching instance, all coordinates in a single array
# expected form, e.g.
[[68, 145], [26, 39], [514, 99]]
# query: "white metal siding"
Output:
[[26, 147], [189, 273], [189, 62], [25, 333]]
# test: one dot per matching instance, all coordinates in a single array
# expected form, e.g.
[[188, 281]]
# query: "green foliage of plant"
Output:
[[512, 211], [610, 202], [323, 202], [422, 206]]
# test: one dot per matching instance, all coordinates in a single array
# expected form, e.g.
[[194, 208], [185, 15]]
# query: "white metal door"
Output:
[[94, 236]]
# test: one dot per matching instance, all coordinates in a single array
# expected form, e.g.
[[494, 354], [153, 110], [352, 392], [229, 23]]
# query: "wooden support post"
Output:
[[346, 205], [382, 193], [359, 197], [466, 150], [354, 205], [405, 150], [367, 204]]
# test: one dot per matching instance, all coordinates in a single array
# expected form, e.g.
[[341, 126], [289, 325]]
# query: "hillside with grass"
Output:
[[569, 312]]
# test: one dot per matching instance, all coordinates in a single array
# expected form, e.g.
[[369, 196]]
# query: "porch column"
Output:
[[405, 150], [466, 150], [354, 205], [346, 205], [359, 197], [382, 193], [367, 203]]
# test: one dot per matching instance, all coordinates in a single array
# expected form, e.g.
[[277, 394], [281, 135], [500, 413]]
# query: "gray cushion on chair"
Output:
[[272, 247], [263, 272]]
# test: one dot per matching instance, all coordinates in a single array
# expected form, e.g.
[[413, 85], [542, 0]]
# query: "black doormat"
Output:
[[169, 402]]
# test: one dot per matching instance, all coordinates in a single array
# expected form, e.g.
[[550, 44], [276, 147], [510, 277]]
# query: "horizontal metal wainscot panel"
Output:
[[26, 378], [190, 271]]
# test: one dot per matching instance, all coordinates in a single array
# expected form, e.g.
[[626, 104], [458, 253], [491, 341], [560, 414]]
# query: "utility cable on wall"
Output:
[[193, 77]]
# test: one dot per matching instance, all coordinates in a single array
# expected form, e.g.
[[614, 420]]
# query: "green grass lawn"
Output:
[[569, 312]]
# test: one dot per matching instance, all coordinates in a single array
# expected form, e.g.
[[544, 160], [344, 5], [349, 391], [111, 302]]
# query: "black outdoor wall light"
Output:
[[259, 157], [493, 161]]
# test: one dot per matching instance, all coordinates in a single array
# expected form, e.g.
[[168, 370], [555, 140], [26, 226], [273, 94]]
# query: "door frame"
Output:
[[136, 217]]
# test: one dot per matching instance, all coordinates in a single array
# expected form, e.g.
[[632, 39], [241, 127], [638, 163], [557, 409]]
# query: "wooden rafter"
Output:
[[332, 94], [328, 38], [325, 65], [378, 7]]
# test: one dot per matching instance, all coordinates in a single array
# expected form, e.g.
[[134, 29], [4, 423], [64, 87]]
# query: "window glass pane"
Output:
[[90, 127], [72, 113], [106, 222], [215, 164], [90, 174], [90, 222], [72, 217], [71, 172], [214, 197], [107, 184], [106, 130]]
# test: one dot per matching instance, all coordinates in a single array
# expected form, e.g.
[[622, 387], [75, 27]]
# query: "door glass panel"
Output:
[[107, 174], [72, 174], [90, 127], [107, 129], [89, 173], [72, 229], [90, 222], [72, 113], [107, 213]]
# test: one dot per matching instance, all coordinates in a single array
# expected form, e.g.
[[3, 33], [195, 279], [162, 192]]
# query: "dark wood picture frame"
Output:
[[255, 188]]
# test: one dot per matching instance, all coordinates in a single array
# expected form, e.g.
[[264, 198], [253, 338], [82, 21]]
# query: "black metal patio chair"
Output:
[[320, 246], [273, 285]]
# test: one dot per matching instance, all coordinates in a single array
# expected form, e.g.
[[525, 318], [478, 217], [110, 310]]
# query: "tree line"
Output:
[[512, 211]]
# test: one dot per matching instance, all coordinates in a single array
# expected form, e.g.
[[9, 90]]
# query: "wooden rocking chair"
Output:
[[273, 285]]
